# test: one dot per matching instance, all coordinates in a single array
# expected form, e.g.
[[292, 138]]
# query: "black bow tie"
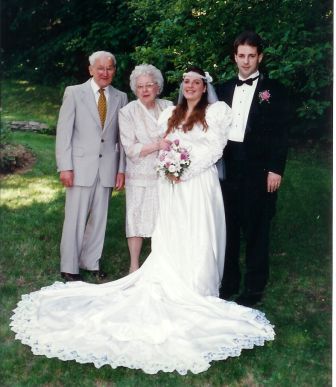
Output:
[[248, 81]]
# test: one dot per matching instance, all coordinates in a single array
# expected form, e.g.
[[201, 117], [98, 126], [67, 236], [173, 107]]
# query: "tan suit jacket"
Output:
[[82, 145], [95, 156]]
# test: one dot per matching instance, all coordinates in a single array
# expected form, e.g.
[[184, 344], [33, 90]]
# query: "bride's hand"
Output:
[[173, 179]]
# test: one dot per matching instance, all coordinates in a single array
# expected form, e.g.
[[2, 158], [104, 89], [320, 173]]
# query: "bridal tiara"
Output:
[[194, 74]]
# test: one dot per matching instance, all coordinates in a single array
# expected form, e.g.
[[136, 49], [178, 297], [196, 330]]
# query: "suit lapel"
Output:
[[230, 92], [89, 101], [111, 106], [254, 109]]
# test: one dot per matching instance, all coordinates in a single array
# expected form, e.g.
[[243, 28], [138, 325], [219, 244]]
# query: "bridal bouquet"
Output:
[[174, 161]]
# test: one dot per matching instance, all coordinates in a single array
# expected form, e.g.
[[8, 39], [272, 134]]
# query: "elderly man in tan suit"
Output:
[[91, 162]]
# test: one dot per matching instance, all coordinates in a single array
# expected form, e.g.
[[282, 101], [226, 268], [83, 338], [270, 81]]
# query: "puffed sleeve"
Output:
[[206, 150], [128, 139]]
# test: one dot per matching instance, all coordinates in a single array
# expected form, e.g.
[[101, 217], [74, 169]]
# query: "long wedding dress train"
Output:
[[167, 315]]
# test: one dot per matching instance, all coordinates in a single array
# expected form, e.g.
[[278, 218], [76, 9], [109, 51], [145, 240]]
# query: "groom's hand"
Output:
[[273, 181], [66, 178]]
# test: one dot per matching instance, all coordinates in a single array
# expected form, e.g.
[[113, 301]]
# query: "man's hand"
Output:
[[67, 178], [273, 181], [120, 181]]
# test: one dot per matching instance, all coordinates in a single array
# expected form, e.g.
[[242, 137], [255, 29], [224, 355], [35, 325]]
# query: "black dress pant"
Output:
[[249, 210]]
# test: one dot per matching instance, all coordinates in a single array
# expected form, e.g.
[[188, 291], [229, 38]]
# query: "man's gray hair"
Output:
[[146, 69], [98, 54]]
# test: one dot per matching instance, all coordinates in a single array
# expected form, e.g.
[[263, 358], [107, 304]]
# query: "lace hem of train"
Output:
[[25, 317]]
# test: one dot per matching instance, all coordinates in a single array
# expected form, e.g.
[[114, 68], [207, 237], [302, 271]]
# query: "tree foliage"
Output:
[[50, 41], [297, 35]]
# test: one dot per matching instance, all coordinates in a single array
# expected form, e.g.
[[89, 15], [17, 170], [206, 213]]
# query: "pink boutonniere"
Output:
[[264, 96]]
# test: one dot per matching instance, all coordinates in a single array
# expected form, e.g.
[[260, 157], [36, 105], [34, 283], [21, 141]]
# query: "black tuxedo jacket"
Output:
[[265, 141]]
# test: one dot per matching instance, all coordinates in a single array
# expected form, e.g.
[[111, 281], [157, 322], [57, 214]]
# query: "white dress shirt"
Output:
[[96, 88], [241, 104]]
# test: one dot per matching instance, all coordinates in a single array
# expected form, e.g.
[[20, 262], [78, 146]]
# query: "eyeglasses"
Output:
[[103, 69], [148, 86]]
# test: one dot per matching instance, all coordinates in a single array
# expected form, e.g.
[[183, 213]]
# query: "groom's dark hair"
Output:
[[250, 38]]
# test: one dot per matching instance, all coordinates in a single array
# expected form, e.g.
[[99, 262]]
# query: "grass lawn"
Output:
[[23, 101], [298, 299]]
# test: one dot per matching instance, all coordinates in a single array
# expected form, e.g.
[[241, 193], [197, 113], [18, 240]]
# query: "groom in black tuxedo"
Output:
[[254, 160]]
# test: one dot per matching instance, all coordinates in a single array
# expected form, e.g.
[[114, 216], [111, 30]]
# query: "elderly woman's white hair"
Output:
[[146, 69], [98, 54]]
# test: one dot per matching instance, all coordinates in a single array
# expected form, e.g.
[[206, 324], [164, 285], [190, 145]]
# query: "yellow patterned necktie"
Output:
[[102, 107]]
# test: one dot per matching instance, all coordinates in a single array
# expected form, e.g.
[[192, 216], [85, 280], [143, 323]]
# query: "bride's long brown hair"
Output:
[[198, 113]]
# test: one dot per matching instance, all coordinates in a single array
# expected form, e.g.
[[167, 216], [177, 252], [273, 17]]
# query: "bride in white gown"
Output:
[[167, 315]]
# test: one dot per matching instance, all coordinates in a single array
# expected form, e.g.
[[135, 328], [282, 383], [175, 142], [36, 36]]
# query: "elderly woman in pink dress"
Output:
[[142, 140]]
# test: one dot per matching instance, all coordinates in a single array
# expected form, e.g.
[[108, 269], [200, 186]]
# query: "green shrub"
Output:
[[5, 135], [14, 156]]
